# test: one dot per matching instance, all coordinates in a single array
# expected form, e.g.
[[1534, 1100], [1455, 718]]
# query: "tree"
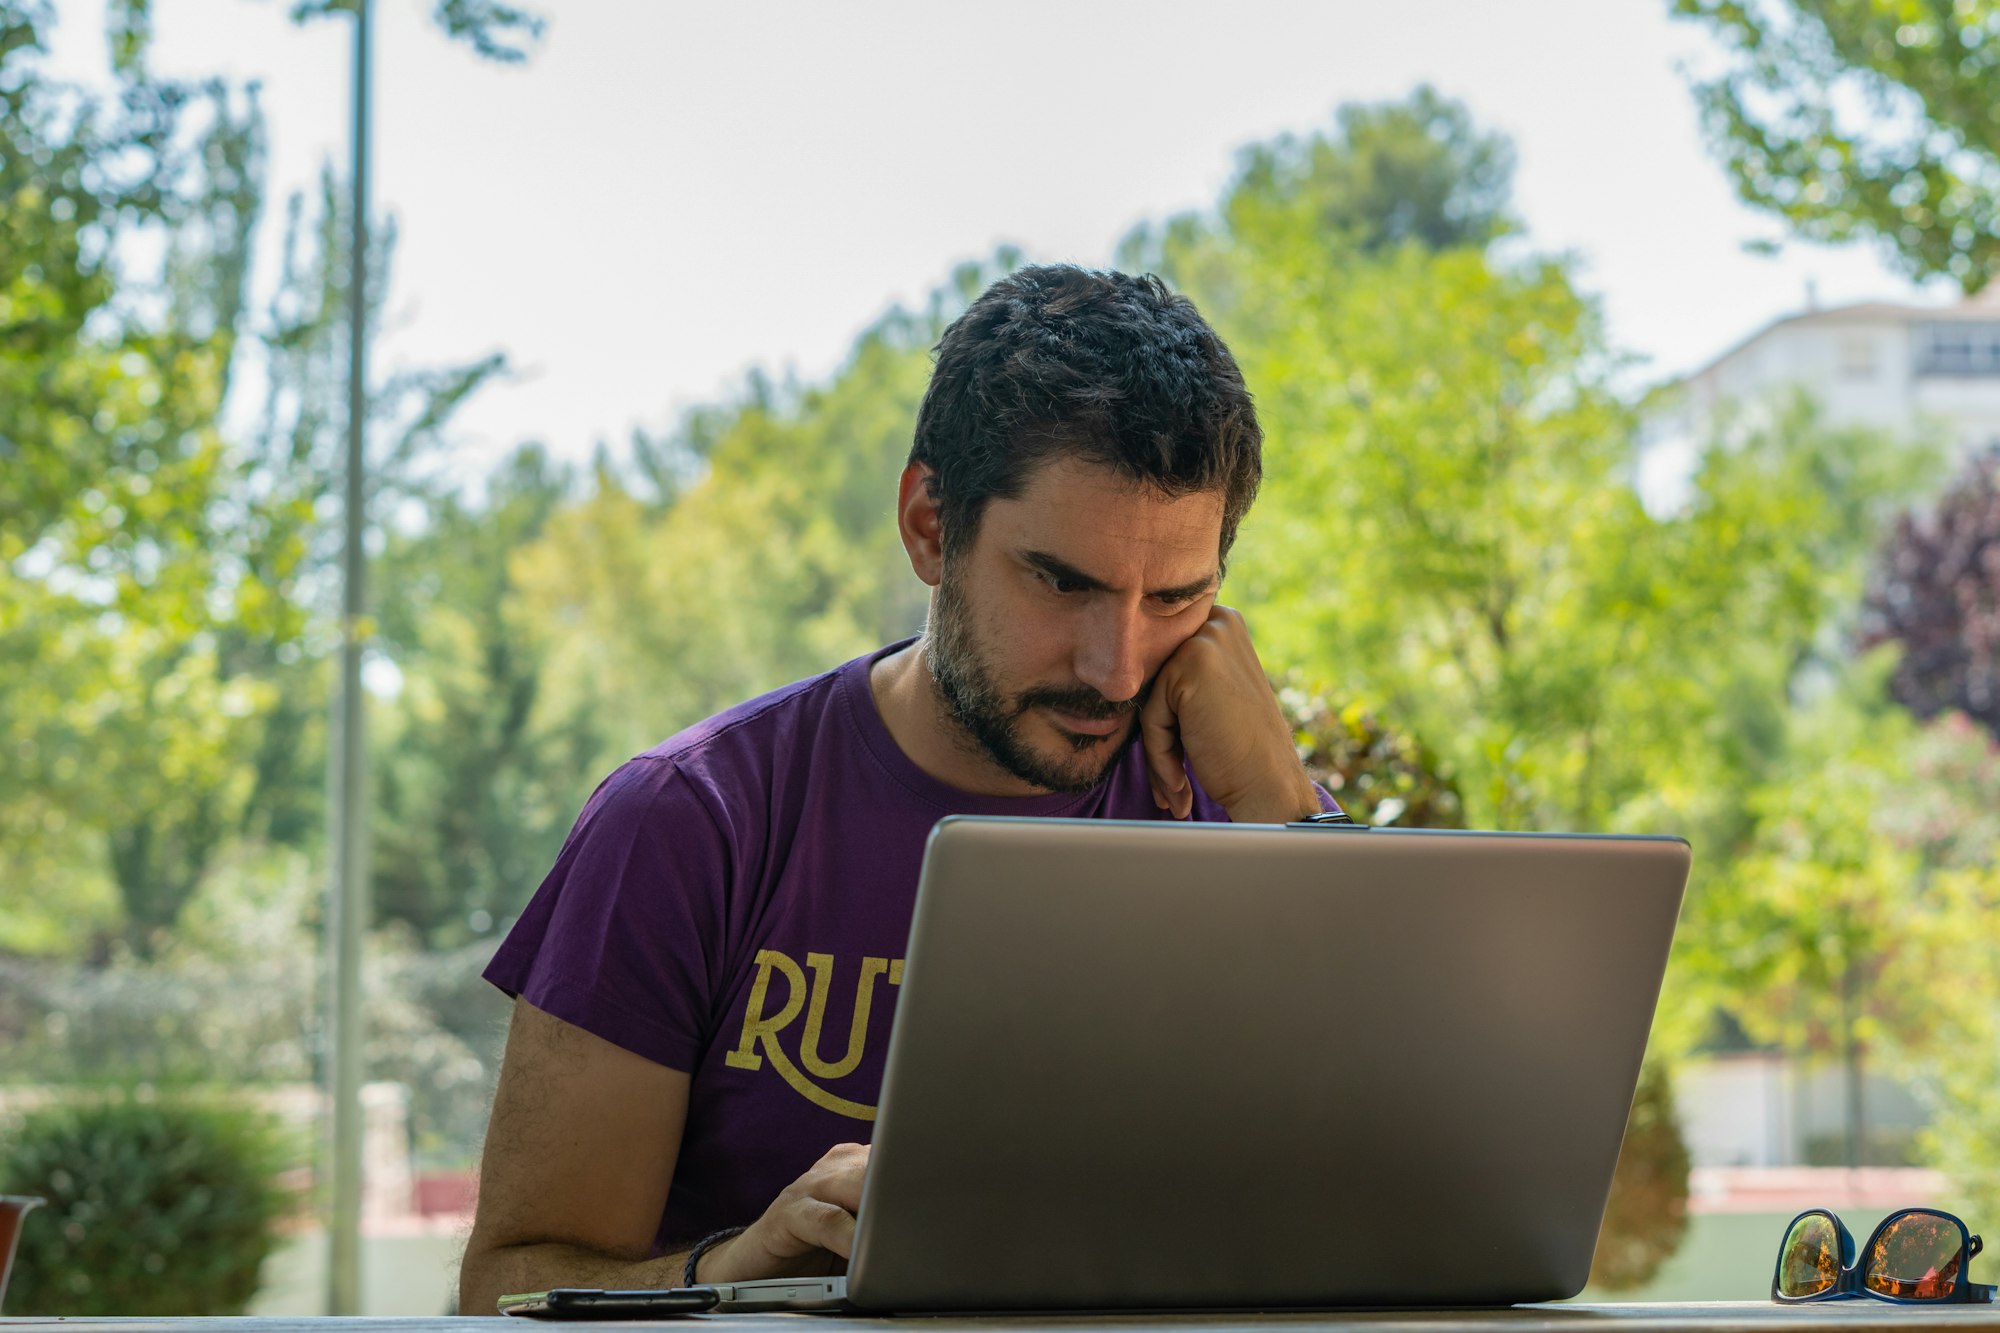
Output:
[[477, 778], [1936, 594], [1951, 814], [1808, 927], [1856, 920], [1448, 526], [1853, 118], [495, 30], [291, 473], [119, 571], [1416, 171], [1646, 1215], [769, 553], [158, 582]]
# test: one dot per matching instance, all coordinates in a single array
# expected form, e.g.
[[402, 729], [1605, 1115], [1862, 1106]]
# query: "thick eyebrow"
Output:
[[1068, 573]]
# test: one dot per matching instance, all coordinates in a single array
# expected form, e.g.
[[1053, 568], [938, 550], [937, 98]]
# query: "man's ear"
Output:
[[917, 519]]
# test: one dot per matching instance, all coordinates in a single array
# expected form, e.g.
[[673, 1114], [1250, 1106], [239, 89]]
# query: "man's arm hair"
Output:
[[579, 1155]]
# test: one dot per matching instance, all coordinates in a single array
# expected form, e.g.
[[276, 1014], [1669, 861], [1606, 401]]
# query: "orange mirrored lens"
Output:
[[1809, 1263], [1918, 1258]]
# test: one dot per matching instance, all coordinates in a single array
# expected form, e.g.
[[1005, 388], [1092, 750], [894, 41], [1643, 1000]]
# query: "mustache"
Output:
[[1082, 701]]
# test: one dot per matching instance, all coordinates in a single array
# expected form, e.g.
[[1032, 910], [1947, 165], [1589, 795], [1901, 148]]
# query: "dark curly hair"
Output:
[[1058, 361]]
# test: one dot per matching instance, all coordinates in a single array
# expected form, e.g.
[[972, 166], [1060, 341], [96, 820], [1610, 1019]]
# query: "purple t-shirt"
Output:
[[734, 903]]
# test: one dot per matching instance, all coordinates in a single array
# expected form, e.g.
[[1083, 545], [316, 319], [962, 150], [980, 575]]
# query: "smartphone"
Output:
[[593, 1303]]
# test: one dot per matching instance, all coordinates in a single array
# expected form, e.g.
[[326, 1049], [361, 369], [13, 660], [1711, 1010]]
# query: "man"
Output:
[[704, 982]]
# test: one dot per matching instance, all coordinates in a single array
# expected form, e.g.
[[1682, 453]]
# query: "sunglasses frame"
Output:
[[1849, 1283]]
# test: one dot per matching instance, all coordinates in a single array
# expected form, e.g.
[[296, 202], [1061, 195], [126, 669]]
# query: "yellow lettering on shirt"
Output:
[[761, 1031]]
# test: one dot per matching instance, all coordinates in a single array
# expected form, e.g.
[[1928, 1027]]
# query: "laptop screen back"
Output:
[[1155, 1066]]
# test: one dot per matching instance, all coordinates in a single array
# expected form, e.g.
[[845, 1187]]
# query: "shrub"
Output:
[[1646, 1218], [157, 1204], [1379, 773], [1936, 594]]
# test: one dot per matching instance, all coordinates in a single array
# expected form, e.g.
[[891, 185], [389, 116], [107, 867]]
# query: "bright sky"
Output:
[[669, 194]]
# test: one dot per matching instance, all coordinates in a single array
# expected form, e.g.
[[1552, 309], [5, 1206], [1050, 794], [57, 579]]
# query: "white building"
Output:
[[1912, 370], [1765, 1109]]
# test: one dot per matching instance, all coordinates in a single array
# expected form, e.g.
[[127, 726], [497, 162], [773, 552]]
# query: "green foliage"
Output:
[[1949, 817], [165, 599], [1646, 1216], [222, 1000], [1872, 118], [1447, 525], [293, 467], [157, 1204], [476, 779], [225, 1001], [779, 559], [1380, 775], [1857, 919], [497, 31], [1814, 928], [1416, 172], [122, 578]]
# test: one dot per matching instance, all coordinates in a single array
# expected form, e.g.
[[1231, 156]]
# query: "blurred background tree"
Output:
[[1449, 525], [125, 574], [1874, 930], [1646, 1217], [1380, 775], [1936, 596], [476, 779], [1864, 118], [759, 543]]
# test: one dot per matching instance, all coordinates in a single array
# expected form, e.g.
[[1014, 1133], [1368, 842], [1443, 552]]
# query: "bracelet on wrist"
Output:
[[703, 1246]]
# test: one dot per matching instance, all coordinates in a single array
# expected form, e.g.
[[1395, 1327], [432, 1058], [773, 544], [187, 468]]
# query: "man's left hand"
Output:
[[1212, 710]]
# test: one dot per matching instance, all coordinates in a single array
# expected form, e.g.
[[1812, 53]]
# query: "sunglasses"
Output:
[[1915, 1256]]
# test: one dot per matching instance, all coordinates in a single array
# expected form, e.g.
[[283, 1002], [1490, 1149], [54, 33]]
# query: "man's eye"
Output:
[[1058, 584]]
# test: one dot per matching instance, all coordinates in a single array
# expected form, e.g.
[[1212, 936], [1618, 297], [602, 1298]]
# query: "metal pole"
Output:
[[350, 833], [1857, 1124]]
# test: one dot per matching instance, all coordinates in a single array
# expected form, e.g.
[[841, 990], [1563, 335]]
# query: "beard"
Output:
[[989, 720]]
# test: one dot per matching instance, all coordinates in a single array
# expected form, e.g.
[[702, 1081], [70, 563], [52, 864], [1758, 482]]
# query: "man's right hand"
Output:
[[579, 1158], [808, 1231]]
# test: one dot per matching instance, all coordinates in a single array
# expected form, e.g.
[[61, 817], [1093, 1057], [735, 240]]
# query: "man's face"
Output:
[[1046, 635]]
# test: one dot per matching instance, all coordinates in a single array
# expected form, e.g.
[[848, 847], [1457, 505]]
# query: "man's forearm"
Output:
[[487, 1275], [1289, 795]]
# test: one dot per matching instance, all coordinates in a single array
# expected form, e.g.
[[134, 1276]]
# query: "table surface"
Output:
[[1845, 1316]]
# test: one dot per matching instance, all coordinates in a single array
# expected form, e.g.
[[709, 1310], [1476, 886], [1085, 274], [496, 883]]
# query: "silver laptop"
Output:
[[1148, 1066]]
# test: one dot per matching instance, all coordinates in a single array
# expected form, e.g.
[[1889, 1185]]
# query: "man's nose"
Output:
[[1111, 658]]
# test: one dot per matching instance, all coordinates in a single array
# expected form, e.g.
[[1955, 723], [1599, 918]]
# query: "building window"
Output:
[[1959, 347], [1857, 356]]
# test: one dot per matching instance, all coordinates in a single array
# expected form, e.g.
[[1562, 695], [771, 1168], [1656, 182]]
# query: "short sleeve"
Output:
[[624, 937]]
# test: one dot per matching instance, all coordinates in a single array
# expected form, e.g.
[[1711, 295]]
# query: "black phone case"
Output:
[[592, 1303]]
